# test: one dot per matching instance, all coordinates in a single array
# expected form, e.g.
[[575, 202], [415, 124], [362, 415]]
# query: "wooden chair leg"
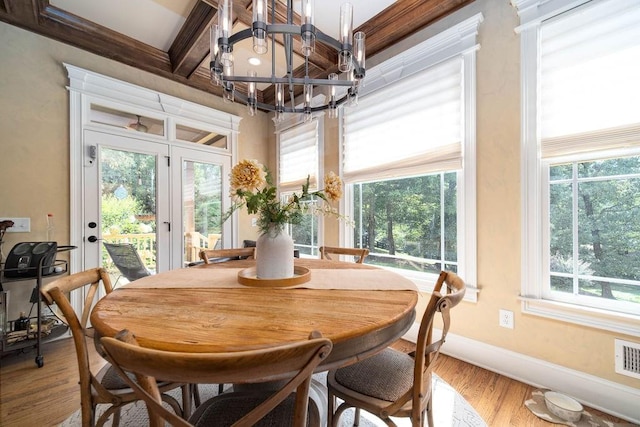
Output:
[[186, 401], [331, 406], [116, 419], [196, 394]]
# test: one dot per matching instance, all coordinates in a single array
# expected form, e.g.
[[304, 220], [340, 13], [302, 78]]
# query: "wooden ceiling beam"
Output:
[[191, 46], [404, 18], [182, 63]]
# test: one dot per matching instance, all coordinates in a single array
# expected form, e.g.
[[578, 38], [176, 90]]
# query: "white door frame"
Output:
[[87, 88], [178, 155], [92, 195]]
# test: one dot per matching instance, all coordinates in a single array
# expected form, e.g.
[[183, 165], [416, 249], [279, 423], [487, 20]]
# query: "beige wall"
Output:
[[34, 147], [34, 133]]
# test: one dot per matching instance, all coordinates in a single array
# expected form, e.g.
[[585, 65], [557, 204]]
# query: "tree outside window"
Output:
[[401, 222]]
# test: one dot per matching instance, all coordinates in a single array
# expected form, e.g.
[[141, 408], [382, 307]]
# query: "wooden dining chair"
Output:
[[210, 256], [359, 254], [291, 365], [392, 383], [105, 386]]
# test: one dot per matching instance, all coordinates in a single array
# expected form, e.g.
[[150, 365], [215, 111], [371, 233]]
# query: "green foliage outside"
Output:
[[118, 217], [207, 195], [400, 222], [607, 220], [135, 173]]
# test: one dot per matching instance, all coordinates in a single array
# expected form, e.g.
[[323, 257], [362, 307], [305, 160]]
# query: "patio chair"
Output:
[[392, 383], [287, 367], [127, 260]]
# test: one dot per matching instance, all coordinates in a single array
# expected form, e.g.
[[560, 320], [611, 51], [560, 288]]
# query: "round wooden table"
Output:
[[213, 319]]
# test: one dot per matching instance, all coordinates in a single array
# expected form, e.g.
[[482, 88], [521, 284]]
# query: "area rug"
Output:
[[449, 409], [538, 406]]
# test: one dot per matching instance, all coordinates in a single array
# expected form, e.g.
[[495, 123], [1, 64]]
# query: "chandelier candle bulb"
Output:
[[214, 48], [346, 37], [307, 31], [260, 26], [251, 94], [308, 96], [279, 117], [359, 51], [225, 20], [333, 113]]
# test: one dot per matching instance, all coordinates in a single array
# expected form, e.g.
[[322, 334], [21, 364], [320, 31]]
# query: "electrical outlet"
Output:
[[254, 222], [20, 225], [506, 319]]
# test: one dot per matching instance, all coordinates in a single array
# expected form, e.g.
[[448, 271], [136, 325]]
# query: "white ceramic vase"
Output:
[[274, 254]]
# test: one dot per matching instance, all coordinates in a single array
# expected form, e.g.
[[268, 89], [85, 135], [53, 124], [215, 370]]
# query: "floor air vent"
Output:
[[628, 358]]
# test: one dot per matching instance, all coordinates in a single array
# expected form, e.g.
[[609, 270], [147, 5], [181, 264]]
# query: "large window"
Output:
[[298, 161], [409, 161], [409, 223], [581, 163]]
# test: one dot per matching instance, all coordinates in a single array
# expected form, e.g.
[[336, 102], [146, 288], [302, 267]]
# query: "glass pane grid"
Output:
[[408, 223], [594, 251]]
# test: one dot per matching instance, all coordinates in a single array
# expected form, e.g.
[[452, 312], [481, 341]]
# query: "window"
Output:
[[581, 168], [297, 161], [409, 161]]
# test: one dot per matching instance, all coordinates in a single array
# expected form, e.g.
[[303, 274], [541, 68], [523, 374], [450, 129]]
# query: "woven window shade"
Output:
[[412, 126], [298, 156], [589, 84]]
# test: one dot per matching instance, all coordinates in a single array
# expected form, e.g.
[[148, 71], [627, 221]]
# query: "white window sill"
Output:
[[426, 282], [585, 316]]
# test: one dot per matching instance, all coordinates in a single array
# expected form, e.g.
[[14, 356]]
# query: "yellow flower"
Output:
[[333, 186], [248, 175]]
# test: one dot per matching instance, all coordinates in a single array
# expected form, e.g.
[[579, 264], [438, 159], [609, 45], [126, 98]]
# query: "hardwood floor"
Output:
[[31, 396]]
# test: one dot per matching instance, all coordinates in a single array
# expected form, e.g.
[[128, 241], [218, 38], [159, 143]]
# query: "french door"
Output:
[[165, 199], [200, 184]]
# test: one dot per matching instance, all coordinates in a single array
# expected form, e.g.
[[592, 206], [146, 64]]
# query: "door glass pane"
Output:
[[126, 120], [199, 136], [128, 205], [202, 207]]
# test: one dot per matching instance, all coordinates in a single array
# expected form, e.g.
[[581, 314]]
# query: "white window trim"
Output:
[[532, 13], [457, 40]]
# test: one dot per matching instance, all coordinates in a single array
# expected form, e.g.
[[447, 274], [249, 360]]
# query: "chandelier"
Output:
[[350, 50]]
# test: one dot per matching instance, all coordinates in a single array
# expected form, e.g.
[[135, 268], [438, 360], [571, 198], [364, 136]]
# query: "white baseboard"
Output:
[[607, 396]]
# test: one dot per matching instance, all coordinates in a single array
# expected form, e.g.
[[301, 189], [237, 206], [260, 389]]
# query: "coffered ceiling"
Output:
[[170, 38]]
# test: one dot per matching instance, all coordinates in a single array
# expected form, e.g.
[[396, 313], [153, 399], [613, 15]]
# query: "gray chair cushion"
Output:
[[386, 376], [113, 381], [226, 409]]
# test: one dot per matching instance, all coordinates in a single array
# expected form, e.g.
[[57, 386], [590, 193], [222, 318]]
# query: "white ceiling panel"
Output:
[[153, 22]]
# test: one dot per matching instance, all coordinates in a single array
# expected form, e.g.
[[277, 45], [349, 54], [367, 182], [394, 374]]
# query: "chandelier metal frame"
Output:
[[351, 60]]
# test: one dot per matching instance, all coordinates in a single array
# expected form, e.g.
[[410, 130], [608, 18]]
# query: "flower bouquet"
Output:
[[252, 187]]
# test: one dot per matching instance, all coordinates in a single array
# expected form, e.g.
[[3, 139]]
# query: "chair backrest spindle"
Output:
[[359, 254], [210, 256]]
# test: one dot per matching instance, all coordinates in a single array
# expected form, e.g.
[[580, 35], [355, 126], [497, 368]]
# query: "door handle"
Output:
[[93, 239]]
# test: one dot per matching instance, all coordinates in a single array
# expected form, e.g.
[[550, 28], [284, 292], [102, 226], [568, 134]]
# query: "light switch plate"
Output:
[[20, 225]]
